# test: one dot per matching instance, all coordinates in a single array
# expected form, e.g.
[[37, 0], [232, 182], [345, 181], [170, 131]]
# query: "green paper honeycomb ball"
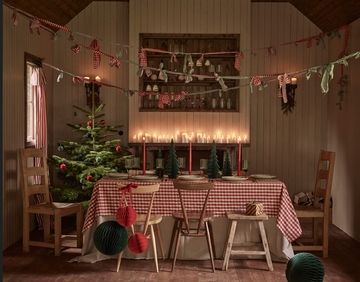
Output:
[[305, 267], [110, 238]]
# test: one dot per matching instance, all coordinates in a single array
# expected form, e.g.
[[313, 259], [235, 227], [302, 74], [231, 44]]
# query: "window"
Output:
[[30, 64]]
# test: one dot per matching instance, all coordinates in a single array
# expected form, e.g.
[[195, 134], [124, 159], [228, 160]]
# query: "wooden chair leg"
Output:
[[153, 241], [175, 228], [315, 231], [46, 226], [177, 245], [265, 245], [119, 261], [57, 234], [26, 232], [325, 234], [229, 245], [79, 224], [227, 238], [212, 239], [208, 240], [160, 241]]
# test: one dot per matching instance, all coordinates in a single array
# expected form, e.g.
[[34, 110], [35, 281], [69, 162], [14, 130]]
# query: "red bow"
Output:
[[97, 58], [255, 80], [127, 188], [115, 62], [142, 57], [178, 96]]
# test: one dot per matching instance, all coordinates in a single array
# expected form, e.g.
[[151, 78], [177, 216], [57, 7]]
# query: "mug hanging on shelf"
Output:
[[148, 88], [207, 62], [198, 63], [155, 88]]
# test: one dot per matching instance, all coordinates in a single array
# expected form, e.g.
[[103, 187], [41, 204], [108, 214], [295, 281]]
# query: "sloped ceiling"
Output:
[[326, 14]]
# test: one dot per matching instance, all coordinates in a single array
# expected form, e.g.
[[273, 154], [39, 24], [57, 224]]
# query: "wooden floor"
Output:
[[41, 265]]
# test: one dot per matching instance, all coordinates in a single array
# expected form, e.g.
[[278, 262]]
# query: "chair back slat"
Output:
[[326, 159], [203, 186], [27, 172]]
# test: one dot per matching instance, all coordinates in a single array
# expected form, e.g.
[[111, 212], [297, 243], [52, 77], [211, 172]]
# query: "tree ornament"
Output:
[[129, 154], [304, 267], [227, 171], [82, 180], [98, 159], [63, 166], [88, 135], [89, 178], [126, 216], [120, 132], [172, 166], [60, 148], [110, 238], [102, 122], [138, 243], [75, 113], [89, 123], [79, 156], [118, 148]]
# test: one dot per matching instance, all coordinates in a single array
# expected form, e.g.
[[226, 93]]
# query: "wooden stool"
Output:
[[234, 217]]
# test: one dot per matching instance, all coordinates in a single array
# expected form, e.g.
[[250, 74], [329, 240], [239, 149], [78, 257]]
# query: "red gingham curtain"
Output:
[[38, 80]]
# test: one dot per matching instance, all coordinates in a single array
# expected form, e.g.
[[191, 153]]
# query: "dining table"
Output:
[[282, 228]]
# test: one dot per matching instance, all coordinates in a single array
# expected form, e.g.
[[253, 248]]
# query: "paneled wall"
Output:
[[187, 17], [286, 145], [344, 138], [108, 21], [18, 40]]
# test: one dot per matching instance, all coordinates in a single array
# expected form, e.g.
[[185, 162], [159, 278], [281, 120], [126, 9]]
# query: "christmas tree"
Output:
[[227, 171], [213, 167], [172, 166], [90, 159]]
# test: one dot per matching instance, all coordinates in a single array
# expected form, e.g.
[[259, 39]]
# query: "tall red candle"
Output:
[[144, 157], [239, 164], [190, 158]]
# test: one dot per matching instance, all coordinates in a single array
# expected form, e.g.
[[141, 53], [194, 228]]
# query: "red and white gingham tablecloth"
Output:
[[226, 196]]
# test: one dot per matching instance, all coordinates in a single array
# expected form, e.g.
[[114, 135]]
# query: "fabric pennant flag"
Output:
[[188, 77], [114, 62], [119, 54], [327, 77], [270, 51], [254, 80], [15, 16], [220, 80], [142, 57], [181, 96], [238, 56], [283, 80], [53, 37], [97, 58], [75, 49], [321, 38], [164, 99], [77, 79], [141, 94], [60, 76], [35, 23]]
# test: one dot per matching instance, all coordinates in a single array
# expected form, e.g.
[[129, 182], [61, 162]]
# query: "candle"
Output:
[[208, 139], [183, 137], [134, 139], [85, 81], [228, 139], [214, 139], [222, 139], [203, 139], [245, 140], [154, 138], [190, 158], [239, 163], [177, 137], [98, 79], [167, 138], [172, 138], [140, 137], [147, 138], [233, 138], [198, 137], [159, 139], [186, 138], [218, 137], [144, 157], [293, 81]]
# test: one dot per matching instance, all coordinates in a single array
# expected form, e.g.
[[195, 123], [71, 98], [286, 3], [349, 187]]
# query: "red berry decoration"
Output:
[[89, 178], [102, 122], [118, 148], [126, 216], [63, 166], [138, 243], [89, 123], [129, 154]]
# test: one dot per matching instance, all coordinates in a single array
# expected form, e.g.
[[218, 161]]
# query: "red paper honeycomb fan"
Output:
[[138, 243], [126, 216]]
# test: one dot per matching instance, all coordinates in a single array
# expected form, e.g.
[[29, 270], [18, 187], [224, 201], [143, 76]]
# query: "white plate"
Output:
[[263, 176], [197, 172], [144, 177], [117, 175], [191, 178], [234, 178], [149, 172]]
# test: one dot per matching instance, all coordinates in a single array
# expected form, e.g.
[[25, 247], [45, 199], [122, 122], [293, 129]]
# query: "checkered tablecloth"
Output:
[[226, 196]]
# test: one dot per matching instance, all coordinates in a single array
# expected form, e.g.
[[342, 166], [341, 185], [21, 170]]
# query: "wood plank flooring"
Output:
[[41, 265]]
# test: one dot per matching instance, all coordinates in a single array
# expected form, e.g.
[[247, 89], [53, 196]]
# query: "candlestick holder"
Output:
[[128, 165], [245, 165]]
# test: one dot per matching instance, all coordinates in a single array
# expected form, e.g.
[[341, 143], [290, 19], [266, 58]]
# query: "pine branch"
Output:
[[80, 109]]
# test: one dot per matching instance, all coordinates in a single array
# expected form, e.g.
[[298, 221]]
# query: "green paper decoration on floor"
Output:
[[172, 166], [213, 166], [304, 267], [110, 238], [227, 171]]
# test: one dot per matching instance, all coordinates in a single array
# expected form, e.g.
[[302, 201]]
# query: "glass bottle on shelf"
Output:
[[228, 104], [213, 103], [222, 103]]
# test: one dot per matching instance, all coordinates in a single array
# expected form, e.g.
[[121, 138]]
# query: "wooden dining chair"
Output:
[[58, 210], [325, 171], [147, 220], [202, 217]]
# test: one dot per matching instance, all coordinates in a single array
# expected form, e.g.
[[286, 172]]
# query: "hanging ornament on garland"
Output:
[[79, 156], [118, 148], [63, 166], [102, 122], [60, 148], [98, 159], [89, 123]]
